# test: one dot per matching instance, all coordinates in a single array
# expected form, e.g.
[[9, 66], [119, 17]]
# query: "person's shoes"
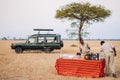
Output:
[[107, 75], [114, 75]]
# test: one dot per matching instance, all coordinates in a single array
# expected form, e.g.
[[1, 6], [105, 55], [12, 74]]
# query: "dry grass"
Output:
[[36, 65]]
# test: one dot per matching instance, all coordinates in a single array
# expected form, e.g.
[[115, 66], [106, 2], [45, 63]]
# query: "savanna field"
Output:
[[37, 65]]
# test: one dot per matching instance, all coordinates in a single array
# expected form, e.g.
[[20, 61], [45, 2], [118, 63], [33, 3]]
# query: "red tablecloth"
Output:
[[82, 68]]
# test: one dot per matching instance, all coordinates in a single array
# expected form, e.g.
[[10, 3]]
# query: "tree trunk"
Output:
[[80, 29]]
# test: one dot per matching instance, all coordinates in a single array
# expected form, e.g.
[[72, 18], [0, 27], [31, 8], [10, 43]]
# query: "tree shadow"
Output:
[[40, 52], [32, 52]]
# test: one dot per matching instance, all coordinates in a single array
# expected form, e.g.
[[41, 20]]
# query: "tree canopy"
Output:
[[84, 12]]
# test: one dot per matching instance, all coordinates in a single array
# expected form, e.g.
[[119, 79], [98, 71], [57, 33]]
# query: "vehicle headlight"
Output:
[[13, 44]]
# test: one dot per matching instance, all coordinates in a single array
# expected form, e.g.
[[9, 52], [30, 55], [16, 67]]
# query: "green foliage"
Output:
[[83, 11]]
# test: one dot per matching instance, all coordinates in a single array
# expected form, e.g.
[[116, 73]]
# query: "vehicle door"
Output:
[[40, 42], [31, 43]]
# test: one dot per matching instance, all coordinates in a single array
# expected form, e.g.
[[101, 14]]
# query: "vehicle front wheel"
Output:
[[18, 50]]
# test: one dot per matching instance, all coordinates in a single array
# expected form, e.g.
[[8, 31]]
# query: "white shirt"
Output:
[[107, 48], [85, 48]]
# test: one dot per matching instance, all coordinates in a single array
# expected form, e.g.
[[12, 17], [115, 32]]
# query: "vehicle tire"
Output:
[[47, 50], [61, 43], [18, 50]]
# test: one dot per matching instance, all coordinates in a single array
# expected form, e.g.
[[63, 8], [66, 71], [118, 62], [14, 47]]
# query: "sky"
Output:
[[18, 18]]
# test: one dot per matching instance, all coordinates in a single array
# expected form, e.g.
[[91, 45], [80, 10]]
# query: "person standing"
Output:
[[110, 52], [84, 47]]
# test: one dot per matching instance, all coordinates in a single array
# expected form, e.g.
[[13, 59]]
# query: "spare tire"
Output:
[[61, 43]]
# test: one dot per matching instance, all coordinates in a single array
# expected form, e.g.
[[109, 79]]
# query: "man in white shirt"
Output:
[[110, 53], [84, 47]]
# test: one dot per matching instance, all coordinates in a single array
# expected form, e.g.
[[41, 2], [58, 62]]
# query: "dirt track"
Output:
[[36, 65]]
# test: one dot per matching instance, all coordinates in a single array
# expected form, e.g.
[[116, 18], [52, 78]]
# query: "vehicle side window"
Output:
[[51, 39], [32, 40], [41, 40]]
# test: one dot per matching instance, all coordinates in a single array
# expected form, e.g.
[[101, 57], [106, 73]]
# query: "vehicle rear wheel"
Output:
[[47, 50], [18, 50]]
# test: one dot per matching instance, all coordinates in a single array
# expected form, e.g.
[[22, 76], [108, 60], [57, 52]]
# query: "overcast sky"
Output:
[[18, 18]]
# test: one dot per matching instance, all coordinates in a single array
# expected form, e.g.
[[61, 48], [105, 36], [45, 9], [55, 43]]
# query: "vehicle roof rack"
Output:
[[42, 30]]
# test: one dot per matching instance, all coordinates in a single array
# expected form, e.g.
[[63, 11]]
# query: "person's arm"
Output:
[[100, 50], [80, 48], [114, 51], [88, 46]]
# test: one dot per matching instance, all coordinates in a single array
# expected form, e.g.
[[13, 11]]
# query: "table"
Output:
[[80, 67]]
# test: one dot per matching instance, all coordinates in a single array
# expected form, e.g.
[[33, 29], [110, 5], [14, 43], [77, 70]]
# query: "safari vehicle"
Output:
[[43, 42]]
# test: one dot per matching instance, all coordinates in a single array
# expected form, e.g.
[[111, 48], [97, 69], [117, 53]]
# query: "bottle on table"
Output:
[[97, 56]]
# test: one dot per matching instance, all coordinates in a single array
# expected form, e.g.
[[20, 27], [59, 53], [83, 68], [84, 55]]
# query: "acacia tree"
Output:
[[85, 13], [73, 31]]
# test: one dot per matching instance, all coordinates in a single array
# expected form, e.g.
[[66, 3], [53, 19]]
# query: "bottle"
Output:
[[91, 56], [97, 56], [94, 57]]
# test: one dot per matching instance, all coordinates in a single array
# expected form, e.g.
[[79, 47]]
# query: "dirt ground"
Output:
[[37, 65]]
